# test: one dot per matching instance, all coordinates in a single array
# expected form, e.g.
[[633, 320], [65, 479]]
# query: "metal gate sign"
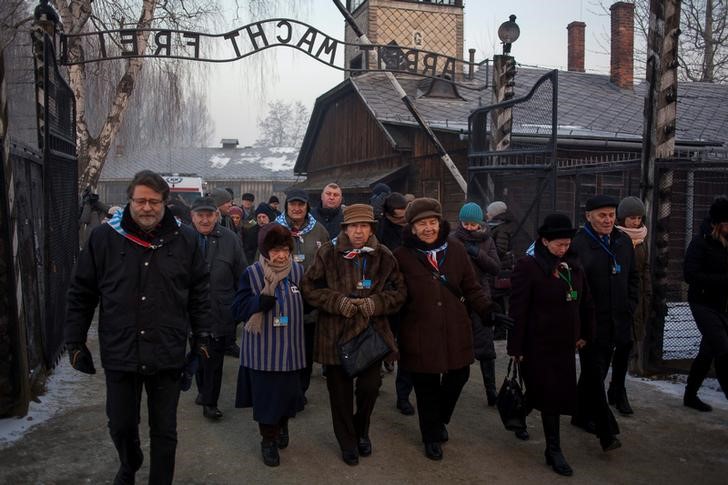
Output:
[[258, 36]]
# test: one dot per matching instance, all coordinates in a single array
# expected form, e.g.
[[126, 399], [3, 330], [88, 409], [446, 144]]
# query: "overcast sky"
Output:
[[239, 91]]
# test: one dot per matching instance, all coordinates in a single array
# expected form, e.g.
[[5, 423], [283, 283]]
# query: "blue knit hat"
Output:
[[471, 212]]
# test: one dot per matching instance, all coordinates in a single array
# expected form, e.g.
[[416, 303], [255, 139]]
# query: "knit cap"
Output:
[[496, 208], [471, 212]]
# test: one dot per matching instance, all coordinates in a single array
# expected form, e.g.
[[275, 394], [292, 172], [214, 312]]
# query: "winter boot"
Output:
[[554, 457], [487, 366]]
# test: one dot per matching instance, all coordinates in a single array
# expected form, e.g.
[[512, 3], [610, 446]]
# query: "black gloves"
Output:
[[472, 249], [201, 345], [80, 358], [266, 302]]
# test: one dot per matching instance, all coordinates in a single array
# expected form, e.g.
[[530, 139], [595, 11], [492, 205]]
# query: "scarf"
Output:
[[115, 223], [272, 275], [400, 221], [637, 235], [431, 255], [281, 219]]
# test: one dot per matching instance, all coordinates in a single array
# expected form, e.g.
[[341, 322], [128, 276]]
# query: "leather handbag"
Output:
[[359, 353], [511, 401]]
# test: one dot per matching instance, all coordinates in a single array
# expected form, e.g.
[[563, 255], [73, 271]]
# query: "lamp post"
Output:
[[508, 33], [504, 72]]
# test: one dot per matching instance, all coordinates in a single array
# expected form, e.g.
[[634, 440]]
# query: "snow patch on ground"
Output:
[[674, 385], [61, 394]]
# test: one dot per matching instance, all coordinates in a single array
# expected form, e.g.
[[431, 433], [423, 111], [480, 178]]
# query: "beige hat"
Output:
[[358, 213]]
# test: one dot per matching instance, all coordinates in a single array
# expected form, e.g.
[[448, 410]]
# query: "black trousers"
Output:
[[403, 384], [437, 395], [620, 363], [699, 369], [209, 374], [123, 400], [591, 399], [350, 425], [309, 331]]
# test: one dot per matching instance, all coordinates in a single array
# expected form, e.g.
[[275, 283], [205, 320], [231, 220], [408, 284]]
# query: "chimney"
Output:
[[621, 69], [576, 46]]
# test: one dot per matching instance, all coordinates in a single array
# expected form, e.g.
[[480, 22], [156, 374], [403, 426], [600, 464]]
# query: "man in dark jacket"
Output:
[[146, 272], [223, 253], [608, 259], [706, 271], [224, 201], [330, 213]]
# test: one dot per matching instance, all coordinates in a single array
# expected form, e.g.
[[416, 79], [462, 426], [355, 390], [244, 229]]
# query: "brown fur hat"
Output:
[[272, 236]]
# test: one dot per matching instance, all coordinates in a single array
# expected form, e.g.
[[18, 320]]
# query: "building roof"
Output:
[[589, 105], [213, 163]]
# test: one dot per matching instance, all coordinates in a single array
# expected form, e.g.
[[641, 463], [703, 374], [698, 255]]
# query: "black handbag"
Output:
[[359, 353], [511, 401]]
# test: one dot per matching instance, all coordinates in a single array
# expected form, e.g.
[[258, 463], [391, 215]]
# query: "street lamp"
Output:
[[508, 33]]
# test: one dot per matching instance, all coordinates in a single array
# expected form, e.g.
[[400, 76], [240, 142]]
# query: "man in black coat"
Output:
[[329, 213], [706, 271], [607, 256], [147, 274], [223, 253]]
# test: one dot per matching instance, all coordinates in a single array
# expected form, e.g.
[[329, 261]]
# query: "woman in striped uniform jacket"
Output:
[[272, 350]]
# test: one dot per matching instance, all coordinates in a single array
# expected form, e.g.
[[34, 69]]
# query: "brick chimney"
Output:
[[621, 69], [576, 46]]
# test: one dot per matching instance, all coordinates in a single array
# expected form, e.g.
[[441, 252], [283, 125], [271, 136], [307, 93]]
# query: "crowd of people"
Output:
[[305, 281]]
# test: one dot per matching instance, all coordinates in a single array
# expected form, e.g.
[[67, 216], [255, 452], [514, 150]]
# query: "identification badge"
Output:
[[616, 268], [294, 289], [299, 258], [572, 295], [280, 321], [364, 285]]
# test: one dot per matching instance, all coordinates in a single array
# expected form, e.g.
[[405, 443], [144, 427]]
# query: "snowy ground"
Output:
[[62, 395], [674, 385]]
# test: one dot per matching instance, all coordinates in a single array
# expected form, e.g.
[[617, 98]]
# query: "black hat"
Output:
[[248, 196], [599, 201], [719, 210], [264, 208], [273, 199], [204, 204], [296, 194], [557, 226]]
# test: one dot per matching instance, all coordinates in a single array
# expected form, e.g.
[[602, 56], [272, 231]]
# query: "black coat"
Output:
[[331, 219], [546, 329], [389, 233], [225, 259], [149, 297], [486, 265], [706, 271], [615, 295]]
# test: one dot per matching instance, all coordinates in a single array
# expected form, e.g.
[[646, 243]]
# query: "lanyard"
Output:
[[591, 234], [566, 278], [363, 258], [280, 297]]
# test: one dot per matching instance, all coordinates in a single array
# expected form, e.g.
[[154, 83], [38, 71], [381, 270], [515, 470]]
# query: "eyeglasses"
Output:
[[153, 203]]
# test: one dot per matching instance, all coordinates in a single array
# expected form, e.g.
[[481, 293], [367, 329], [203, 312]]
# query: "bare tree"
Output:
[[703, 53], [284, 125]]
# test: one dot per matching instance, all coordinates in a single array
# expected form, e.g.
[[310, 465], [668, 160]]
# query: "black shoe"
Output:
[[211, 412], [283, 437], [555, 459], [124, 477], [693, 401], [610, 443], [492, 397], [444, 435], [350, 457], [365, 446], [198, 400], [618, 397], [589, 426], [433, 451], [405, 407], [269, 450], [522, 434], [233, 350]]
